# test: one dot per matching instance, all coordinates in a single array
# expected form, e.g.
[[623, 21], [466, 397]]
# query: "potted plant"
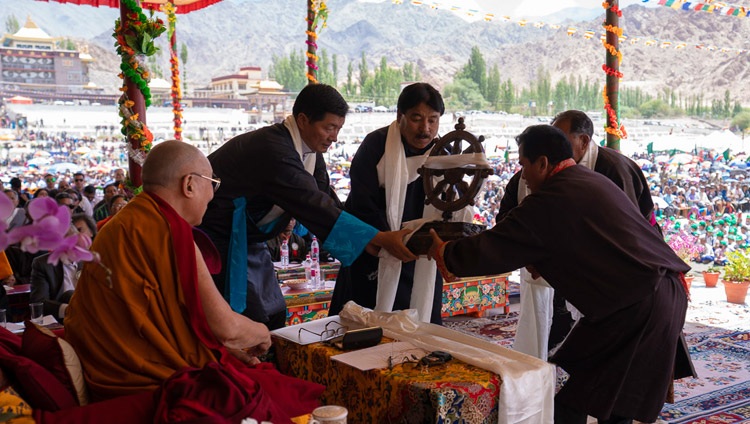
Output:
[[711, 276], [687, 247], [737, 276]]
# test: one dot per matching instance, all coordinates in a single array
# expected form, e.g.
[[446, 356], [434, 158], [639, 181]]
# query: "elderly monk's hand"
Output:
[[393, 242], [245, 357]]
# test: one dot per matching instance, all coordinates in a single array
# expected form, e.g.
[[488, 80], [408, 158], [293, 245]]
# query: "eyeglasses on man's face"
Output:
[[215, 181]]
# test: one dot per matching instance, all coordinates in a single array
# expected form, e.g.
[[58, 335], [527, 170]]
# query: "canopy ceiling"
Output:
[[183, 6]]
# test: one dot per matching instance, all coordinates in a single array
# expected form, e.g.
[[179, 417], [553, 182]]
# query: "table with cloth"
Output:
[[475, 295], [472, 296], [483, 383], [307, 304], [453, 392]]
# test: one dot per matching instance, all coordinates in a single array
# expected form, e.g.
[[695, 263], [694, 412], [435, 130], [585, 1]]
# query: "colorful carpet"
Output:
[[718, 334]]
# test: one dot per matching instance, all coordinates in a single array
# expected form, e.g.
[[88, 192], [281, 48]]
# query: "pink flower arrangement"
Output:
[[685, 245], [49, 231]]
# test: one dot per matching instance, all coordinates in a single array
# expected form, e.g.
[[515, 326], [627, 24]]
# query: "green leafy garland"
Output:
[[135, 37]]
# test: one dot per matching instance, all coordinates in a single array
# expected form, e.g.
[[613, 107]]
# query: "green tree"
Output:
[[654, 108], [11, 24], [349, 87], [335, 70], [289, 71], [508, 96], [493, 87], [727, 104], [386, 84], [476, 70], [325, 76], [543, 90], [409, 71], [463, 93], [742, 122], [364, 73]]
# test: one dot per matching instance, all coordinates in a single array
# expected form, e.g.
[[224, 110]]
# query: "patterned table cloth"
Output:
[[475, 295], [449, 393]]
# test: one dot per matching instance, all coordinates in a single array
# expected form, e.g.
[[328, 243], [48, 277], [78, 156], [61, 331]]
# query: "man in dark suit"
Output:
[[54, 284]]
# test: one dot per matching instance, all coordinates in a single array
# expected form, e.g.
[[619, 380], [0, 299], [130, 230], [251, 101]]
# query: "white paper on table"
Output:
[[376, 357], [19, 327], [15, 327], [292, 333]]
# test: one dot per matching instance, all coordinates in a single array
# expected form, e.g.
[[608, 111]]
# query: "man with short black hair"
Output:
[[544, 319], [583, 235], [79, 183], [386, 191], [269, 176]]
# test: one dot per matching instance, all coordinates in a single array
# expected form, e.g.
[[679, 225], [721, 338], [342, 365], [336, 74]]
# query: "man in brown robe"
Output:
[[159, 312], [591, 243]]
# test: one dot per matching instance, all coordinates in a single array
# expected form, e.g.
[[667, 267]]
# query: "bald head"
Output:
[[169, 161], [181, 175]]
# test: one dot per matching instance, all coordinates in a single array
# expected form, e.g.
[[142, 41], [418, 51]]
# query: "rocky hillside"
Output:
[[235, 33]]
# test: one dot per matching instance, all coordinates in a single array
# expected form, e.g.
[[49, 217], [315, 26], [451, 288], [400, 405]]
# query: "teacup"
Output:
[[329, 414]]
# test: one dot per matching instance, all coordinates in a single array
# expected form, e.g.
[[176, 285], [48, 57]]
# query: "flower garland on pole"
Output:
[[317, 13], [615, 131], [135, 34], [170, 9]]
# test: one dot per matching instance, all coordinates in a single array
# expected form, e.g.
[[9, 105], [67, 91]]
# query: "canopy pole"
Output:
[[312, 45], [613, 80], [176, 91], [139, 105]]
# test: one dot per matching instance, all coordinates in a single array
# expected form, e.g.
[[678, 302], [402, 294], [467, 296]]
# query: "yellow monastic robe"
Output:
[[5, 269], [133, 333]]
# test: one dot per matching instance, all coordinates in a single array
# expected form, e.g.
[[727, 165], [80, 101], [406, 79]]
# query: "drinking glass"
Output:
[[37, 312]]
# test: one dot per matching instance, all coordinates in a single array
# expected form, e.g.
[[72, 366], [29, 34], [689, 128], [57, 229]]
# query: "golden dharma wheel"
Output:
[[453, 189]]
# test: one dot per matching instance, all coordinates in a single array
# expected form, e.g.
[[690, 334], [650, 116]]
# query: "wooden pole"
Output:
[[613, 62], [139, 107], [176, 92], [312, 72]]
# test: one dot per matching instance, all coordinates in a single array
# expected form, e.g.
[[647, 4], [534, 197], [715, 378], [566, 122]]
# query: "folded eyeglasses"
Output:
[[336, 329]]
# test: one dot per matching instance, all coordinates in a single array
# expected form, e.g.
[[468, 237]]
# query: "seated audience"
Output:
[[297, 244], [158, 311], [116, 203]]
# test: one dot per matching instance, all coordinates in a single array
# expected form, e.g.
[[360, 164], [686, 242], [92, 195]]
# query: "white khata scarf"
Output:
[[308, 161], [395, 172]]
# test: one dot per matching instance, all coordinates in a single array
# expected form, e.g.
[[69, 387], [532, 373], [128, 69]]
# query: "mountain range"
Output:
[[236, 33]]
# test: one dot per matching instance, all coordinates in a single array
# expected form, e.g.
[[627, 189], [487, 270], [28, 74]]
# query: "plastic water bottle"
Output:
[[308, 268], [284, 254], [317, 281], [315, 250]]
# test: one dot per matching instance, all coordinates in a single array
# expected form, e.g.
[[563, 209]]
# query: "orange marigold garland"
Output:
[[176, 91], [134, 130], [319, 14], [135, 37], [613, 125]]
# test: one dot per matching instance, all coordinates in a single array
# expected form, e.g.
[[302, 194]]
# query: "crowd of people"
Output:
[[192, 281]]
